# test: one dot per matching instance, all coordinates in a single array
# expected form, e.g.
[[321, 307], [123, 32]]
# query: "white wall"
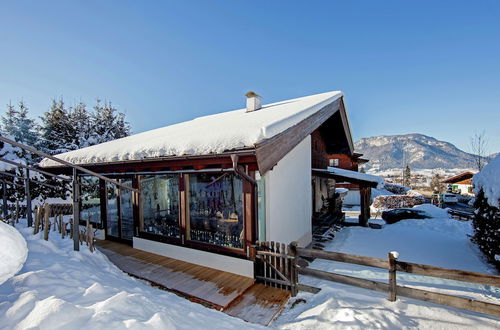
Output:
[[212, 260], [289, 197]]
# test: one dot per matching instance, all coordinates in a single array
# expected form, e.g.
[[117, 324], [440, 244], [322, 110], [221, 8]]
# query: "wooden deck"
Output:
[[233, 294], [202, 284]]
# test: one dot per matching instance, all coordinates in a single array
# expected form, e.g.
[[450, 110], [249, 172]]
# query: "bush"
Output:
[[487, 229]]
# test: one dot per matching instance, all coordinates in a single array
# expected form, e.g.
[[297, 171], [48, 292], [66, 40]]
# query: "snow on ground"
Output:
[[59, 288], [439, 241], [13, 251], [489, 180]]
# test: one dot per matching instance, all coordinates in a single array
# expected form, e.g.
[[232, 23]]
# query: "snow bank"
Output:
[[59, 288], [489, 180], [204, 135], [434, 211], [13, 251]]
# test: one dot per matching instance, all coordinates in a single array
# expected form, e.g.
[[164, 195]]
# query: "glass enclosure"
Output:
[[126, 211], [90, 208], [112, 210], [160, 205], [216, 209]]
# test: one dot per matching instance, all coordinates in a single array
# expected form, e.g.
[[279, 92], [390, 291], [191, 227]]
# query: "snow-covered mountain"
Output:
[[420, 152]]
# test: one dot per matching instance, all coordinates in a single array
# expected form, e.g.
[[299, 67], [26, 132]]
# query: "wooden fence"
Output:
[[270, 271]]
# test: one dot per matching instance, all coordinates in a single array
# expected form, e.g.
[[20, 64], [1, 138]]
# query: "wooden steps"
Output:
[[259, 304], [201, 284]]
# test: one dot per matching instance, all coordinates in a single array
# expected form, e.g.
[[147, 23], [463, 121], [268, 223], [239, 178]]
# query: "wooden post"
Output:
[[17, 211], [29, 215], [76, 212], [392, 275], [46, 222], [5, 207], [91, 238], [294, 272]]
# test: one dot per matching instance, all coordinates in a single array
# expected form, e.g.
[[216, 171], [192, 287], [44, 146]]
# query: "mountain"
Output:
[[420, 151]]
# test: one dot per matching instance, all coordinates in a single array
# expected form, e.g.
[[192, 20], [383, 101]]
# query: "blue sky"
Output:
[[405, 67]]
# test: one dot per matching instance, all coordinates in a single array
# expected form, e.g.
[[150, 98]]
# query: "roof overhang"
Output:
[[337, 177], [269, 152]]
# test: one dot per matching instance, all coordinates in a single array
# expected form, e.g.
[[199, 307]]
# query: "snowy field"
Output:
[[439, 241], [61, 289], [58, 288]]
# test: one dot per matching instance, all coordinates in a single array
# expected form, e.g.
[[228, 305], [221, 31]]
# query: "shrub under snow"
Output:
[[487, 215]]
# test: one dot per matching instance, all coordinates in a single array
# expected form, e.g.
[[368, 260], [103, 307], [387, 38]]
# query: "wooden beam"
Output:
[[34, 169], [76, 211], [450, 274], [76, 167], [343, 257]]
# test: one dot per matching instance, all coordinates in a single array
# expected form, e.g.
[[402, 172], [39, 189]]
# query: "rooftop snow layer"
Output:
[[357, 175], [489, 180], [204, 135]]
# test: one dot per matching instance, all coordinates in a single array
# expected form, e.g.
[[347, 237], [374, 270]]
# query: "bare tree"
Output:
[[478, 146]]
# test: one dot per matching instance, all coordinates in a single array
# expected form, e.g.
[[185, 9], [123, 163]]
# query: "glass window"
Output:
[[216, 209], [112, 209], [160, 204], [91, 202], [126, 210]]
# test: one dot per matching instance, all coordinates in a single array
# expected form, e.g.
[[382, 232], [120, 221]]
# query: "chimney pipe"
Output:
[[253, 101]]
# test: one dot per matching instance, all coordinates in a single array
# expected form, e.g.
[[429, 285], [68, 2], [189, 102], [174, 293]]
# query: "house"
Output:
[[460, 183], [213, 186]]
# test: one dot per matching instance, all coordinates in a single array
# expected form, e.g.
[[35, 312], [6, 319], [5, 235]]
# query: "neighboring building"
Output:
[[351, 163], [460, 183], [211, 187]]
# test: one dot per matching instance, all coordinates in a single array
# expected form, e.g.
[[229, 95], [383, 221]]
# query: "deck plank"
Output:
[[208, 285], [260, 304]]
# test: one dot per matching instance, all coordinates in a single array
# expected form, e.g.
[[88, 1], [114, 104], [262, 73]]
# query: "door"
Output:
[[120, 216]]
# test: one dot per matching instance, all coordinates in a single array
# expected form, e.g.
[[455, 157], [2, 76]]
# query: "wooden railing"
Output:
[[393, 265], [277, 265]]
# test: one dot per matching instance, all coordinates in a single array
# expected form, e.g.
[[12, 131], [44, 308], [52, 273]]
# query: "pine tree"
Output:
[[17, 125], [487, 228], [81, 127], [107, 124], [407, 176], [56, 129]]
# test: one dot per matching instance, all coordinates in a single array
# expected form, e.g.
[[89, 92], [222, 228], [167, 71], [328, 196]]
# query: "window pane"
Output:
[[91, 202], [112, 209], [216, 209], [126, 210], [160, 204]]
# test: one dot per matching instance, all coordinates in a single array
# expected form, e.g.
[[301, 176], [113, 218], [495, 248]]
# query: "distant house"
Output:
[[460, 183], [213, 186]]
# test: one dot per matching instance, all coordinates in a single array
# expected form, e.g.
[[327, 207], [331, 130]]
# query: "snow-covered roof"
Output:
[[489, 180], [211, 134], [357, 175]]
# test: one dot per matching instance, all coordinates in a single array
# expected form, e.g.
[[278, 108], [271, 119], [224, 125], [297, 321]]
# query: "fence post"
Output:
[[392, 275], [76, 212], [29, 214], [4, 188], [46, 222], [294, 272]]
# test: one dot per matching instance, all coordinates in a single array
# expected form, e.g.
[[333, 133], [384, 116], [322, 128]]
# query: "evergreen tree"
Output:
[[107, 124], [81, 127], [17, 125], [487, 228], [56, 129], [407, 176]]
